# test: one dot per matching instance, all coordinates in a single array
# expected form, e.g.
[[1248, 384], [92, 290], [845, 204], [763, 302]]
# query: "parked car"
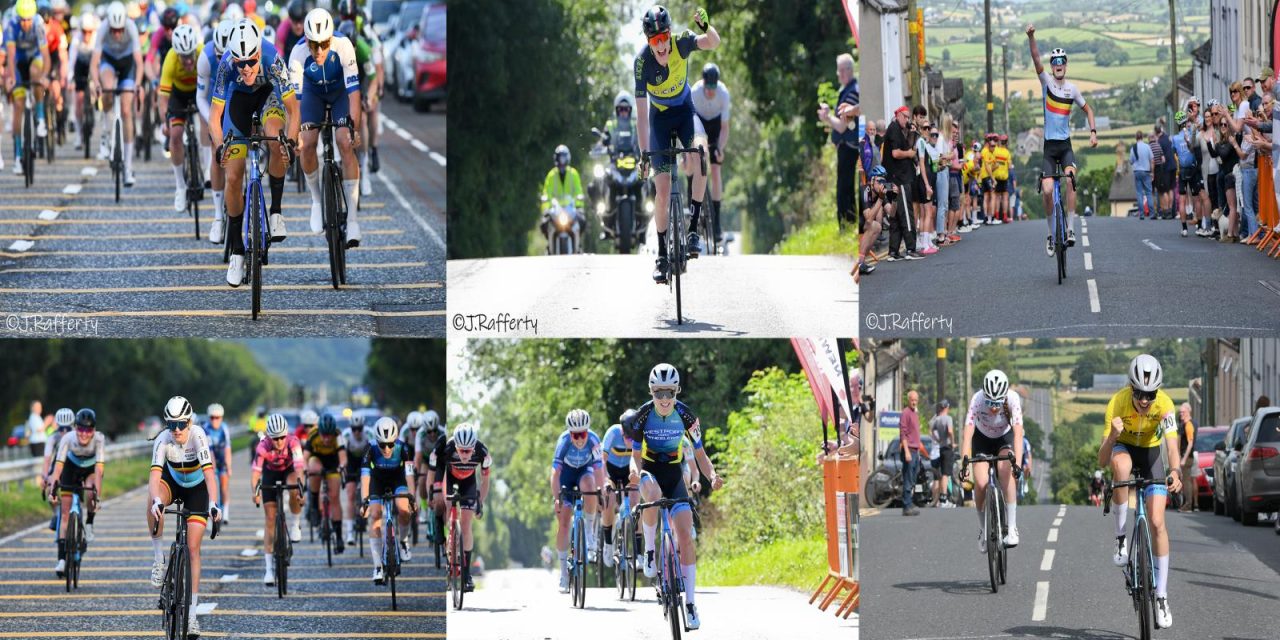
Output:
[[1258, 476], [430, 76], [18, 436], [397, 49], [1206, 439], [1224, 467], [891, 463], [381, 13]]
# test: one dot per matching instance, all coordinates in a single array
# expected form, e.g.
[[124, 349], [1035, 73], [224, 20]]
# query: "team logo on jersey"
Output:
[[314, 67], [695, 431]]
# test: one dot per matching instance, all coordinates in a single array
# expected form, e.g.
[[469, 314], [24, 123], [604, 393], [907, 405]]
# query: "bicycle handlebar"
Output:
[[663, 503], [329, 124], [1137, 482]]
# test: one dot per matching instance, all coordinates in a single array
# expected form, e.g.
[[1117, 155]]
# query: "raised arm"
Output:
[[1035, 50]]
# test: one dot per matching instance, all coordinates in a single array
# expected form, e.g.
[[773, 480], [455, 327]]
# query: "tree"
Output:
[[1095, 360], [946, 57], [407, 374]]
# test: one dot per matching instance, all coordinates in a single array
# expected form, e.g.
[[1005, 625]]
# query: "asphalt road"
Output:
[[525, 604], [1125, 278], [116, 599], [924, 578], [614, 296], [74, 262]]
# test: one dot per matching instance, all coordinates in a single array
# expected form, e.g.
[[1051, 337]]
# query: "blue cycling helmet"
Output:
[[878, 171], [347, 29]]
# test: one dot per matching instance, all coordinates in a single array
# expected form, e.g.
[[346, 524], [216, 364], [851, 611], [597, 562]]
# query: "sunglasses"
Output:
[[664, 394], [1235, 91], [995, 404], [278, 438], [245, 64], [1248, 87], [1057, 61], [465, 452], [85, 429], [387, 445], [176, 425], [579, 436], [659, 38], [1144, 396]]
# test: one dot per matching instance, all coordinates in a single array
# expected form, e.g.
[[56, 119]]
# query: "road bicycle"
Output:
[[175, 591], [577, 558], [333, 204], [327, 534], [28, 158], [1140, 572], [192, 170], [995, 526], [435, 528], [705, 223], [74, 535], [677, 252], [117, 141], [1060, 222], [257, 236], [457, 584], [146, 135], [626, 545], [391, 560], [47, 142], [282, 548], [670, 582], [85, 125]]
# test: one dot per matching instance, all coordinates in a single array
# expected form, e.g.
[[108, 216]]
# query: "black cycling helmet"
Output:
[[328, 425], [86, 418], [347, 9], [297, 11], [711, 75], [169, 19], [656, 20]]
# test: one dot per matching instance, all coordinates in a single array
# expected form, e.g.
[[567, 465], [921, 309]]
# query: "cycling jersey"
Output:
[[994, 426], [616, 449], [115, 46], [338, 71], [988, 160], [27, 42], [570, 455], [218, 441], [1141, 430], [271, 459], [424, 442], [379, 464], [83, 456], [445, 460], [660, 437], [184, 462], [714, 107], [53, 37], [355, 446], [318, 445], [1058, 98], [205, 67], [176, 76], [161, 42], [665, 86], [51, 444], [227, 80], [1001, 158]]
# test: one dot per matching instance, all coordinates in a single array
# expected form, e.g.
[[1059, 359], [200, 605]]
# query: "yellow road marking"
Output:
[[213, 250], [148, 581], [219, 596], [214, 313], [209, 634], [232, 612], [183, 220], [207, 267], [154, 236]]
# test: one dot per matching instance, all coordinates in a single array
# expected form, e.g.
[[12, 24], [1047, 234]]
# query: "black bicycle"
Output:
[[626, 545], [28, 140], [334, 203], [391, 561], [146, 135], [85, 126], [175, 591], [1140, 572], [282, 548], [995, 526], [1060, 222], [677, 252], [48, 140], [192, 169], [74, 535]]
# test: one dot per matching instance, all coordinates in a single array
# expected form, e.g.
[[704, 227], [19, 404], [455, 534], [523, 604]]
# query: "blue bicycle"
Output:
[[670, 582], [1059, 217], [625, 547], [1140, 572], [75, 541], [257, 237], [578, 546], [391, 557]]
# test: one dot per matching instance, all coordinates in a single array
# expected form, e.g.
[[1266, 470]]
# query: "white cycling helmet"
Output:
[[578, 421], [432, 420], [664, 376], [1058, 53], [185, 40], [245, 41], [318, 25], [64, 417], [385, 430], [234, 13], [222, 34], [413, 420], [464, 436], [1145, 373], [177, 409], [116, 15], [309, 417], [215, 410], [995, 385], [277, 426], [1097, 475], [624, 98]]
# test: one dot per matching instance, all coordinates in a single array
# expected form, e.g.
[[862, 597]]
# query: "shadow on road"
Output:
[[1247, 592], [471, 608], [693, 326], [1063, 632], [962, 588]]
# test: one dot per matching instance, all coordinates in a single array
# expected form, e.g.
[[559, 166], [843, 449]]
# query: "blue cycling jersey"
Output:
[[338, 71], [660, 437], [376, 460], [617, 449], [569, 455], [27, 42], [218, 440], [227, 79]]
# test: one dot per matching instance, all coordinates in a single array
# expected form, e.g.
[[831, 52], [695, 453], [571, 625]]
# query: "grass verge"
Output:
[[798, 563]]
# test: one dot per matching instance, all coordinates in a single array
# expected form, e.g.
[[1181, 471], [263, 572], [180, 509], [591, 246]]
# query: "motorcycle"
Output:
[[562, 228], [619, 196]]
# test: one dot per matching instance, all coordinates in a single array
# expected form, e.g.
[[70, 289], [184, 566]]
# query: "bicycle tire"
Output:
[[28, 149], [677, 252], [117, 157], [195, 181], [331, 230], [437, 527], [86, 123], [456, 572], [672, 580], [326, 532], [69, 546], [391, 551], [580, 565], [148, 126], [620, 555], [599, 535], [50, 142], [1143, 587], [1060, 234], [1004, 525], [255, 257], [79, 548], [878, 489], [992, 528], [279, 550], [636, 546], [341, 199]]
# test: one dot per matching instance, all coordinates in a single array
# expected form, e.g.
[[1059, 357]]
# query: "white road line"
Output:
[[71, 189], [1094, 305], [1151, 244], [404, 135], [248, 553], [1042, 602], [1088, 261], [1085, 240], [21, 245], [89, 171], [388, 122], [1057, 522], [440, 160], [48, 214], [417, 144], [229, 577], [407, 207], [1045, 565], [1053, 535], [1062, 510]]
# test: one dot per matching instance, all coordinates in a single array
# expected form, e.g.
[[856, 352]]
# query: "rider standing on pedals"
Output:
[[662, 76]]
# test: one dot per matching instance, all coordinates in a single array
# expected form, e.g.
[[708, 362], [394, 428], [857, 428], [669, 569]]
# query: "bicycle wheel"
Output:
[[1142, 585], [1004, 525], [391, 551], [436, 528], [332, 233], [599, 553], [182, 613], [117, 157], [635, 550], [28, 150], [148, 126], [49, 139], [326, 532], [619, 556], [256, 248], [281, 553], [671, 567], [86, 123], [78, 553], [71, 547], [455, 565], [677, 251], [879, 489], [992, 528], [579, 565], [1060, 242]]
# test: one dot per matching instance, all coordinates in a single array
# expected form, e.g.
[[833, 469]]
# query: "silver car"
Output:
[[1259, 466]]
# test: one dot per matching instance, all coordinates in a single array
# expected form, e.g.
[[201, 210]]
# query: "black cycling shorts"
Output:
[[1059, 152], [983, 445], [270, 477], [619, 476], [1190, 182], [712, 128], [178, 103], [1147, 462], [1002, 186], [194, 499]]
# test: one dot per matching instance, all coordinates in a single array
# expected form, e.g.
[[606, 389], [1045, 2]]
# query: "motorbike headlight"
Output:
[[598, 171], [562, 219], [600, 208], [648, 207]]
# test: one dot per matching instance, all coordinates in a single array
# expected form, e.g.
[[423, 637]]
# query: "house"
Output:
[[1124, 193], [883, 39], [1242, 29]]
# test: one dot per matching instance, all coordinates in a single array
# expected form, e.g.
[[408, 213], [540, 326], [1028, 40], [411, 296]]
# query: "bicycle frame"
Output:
[[676, 251], [333, 199], [1140, 572], [670, 582], [1059, 213], [995, 525], [453, 520], [282, 547], [391, 537]]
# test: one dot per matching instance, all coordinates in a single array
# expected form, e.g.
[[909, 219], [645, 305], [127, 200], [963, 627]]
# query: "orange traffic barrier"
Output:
[[840, 497]]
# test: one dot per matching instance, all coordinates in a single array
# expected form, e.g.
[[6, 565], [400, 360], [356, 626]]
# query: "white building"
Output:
[[883, 42], [1240, 32]]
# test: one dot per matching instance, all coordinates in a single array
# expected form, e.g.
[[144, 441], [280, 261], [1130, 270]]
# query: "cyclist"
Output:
[[711, 133], [409, 432], [205, 66], [56, 38], [575, 464], [563, 187], [117, 63], [81, 52], [1139, 418], [370, 61], [661, 70], [85, 452], [356, 441], [251, 78], [326, 455], [160, 41], [220, 446], [279, 459], [456, 461], [28, 54], [658, 428], [387, 467], [1059, 95], [178, 92], [323, 69], [308, 420], [181, 468], [291, 30], [429, 432], [64, 420], [251, 13], [616, 447], [992, 427], [1096, 486]]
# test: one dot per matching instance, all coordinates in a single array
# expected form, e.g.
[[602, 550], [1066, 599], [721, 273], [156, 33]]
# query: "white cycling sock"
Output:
[[157, 546], [269, 561], [352, 188], [218, 196], [348, 527], [650, 532], [1162, 576], [690, 572], [375, 546], [128, 156], [1012, 509], [195, 602], [313, 184], [206, 156], [178, 177], [1121, 511]]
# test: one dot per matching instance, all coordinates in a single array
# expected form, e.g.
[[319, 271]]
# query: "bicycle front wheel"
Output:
[[1142, 586], [281, 552], [72, 547], [992, 528], [455, 565], [677, 255], [332, 232], [257, 249], [579, 565], [671, 582], [392, 552]]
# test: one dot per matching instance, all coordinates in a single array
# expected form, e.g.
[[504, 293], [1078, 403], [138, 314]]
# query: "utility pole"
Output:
[[991, 107], [1004, 65], [913, 75], [1173, 58], [968, 370], [941, 370]]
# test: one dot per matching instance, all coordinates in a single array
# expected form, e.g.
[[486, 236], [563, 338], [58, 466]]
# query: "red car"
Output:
[[1206, 439], [430, 65]]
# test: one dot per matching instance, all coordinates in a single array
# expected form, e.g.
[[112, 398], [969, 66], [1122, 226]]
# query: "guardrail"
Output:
[[19, 471]]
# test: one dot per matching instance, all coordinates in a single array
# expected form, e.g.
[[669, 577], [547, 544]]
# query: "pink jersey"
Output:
[[994, 426], [279, 460]]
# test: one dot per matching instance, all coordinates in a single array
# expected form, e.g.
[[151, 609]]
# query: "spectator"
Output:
[[870, 151], [1186, 442], [1169, 169], [879, 200], [922, 207], [1206, 165], [844, 134], [1142, 160], [941, 429], [1262, 403], [900, 161], [1268, 212], [1226, 148], [940, 137], [955, 186], [35, 429], [911, 451]]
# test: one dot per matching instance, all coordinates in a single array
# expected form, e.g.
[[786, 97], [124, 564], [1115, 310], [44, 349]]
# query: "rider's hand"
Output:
[[215, 512], [1093, 138], [701, 19], [557, 505], [1031, 30], [716, 481], [634, 476], [1117, 427], [157, 509], [257, 500], [480, 509]]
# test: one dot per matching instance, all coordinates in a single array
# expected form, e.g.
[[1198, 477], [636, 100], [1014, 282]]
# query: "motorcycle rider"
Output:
[[563, 187], [620, 138]]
